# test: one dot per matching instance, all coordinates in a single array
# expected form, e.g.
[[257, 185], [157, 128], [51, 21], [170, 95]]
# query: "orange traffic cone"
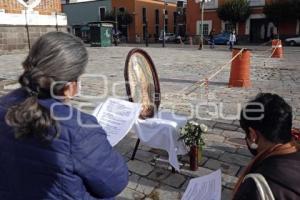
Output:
[[240, 69], [277, 51]]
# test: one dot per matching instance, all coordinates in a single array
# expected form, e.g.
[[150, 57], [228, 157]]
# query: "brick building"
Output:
[[150, 11], [255, 29], [17, 22]]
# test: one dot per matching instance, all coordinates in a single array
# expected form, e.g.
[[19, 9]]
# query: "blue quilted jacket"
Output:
[[79, 164]]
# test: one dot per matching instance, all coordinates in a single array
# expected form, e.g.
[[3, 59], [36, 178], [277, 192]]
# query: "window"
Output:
[[156, 16], [144, 15], [257, 2], [122, 10], [207, 25], [212, 4], [102, 11], [205, 29]]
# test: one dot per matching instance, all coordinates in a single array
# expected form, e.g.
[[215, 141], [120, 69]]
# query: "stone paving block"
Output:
[[185, 185], [139, 167], [144, 156], [146, 186], [233, 134], [133, 181], [229, 181], [244, 151], [159, 174], [166, 193], [223, 146], [224, 126], [174, 180], [213, 137], [212, 152], [226, 168], [126, 146], [235, 159], [144, 147], [200, 172], [128, 193], [215, 131], [226, 194]]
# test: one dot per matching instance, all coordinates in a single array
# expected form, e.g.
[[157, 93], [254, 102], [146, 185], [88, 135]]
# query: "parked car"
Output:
[[222, 38], [293, 41], [169, 37]]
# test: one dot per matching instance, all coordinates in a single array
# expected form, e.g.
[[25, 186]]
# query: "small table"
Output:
[[162, 132]]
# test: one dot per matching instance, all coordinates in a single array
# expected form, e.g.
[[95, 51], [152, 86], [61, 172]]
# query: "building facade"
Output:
[[21, 24], [148, 16], [80, 13], [256, 28]]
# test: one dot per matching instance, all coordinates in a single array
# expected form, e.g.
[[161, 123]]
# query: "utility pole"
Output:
[[116, 27], [27, 28], [202, 17], [164, 24]]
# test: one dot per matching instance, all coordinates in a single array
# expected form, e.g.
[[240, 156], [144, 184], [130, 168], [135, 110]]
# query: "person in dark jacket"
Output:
[[267, 121], [48, 149]]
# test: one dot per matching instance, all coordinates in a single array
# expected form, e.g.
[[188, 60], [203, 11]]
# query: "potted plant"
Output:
[[191, 134]]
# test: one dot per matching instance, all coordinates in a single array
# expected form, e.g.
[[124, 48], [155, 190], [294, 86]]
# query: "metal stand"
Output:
[[135, 150], [27, 29]]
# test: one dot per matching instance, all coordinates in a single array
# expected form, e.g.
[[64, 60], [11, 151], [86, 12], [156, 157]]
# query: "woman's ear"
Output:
[[71, 89], [253, 136]]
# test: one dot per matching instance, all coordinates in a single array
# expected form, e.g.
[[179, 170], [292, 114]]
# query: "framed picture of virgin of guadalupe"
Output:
[[141, 81]]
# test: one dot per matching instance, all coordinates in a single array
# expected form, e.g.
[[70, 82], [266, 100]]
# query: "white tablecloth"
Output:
[[162, 132]]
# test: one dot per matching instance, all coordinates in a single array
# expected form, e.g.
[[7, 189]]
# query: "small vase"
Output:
[[199, 154], [194, 155]]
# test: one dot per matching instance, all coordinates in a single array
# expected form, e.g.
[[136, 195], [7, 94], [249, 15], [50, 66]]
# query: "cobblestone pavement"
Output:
[[178, 68]]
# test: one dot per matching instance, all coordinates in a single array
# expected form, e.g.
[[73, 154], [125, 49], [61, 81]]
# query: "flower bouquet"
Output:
[[191, 134]]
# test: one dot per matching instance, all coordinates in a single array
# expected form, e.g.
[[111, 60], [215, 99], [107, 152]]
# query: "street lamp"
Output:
[[202, 16]]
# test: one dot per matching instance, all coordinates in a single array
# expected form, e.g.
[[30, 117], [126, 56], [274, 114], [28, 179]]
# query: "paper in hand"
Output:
[[207, 187], [117, 117]]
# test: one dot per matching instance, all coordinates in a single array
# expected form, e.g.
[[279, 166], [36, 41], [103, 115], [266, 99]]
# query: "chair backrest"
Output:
[[142, 84]]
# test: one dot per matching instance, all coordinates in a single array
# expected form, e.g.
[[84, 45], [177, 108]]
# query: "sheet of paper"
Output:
[[117, 117], [207, 187]]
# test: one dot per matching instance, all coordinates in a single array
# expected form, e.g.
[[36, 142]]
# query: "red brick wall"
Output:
[[46, 7], [194, 14]]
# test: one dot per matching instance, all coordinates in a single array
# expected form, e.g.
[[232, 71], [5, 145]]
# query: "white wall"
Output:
[[33, 18]]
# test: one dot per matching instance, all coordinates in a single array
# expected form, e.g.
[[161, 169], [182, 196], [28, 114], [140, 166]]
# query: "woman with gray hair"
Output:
[[48, 149]]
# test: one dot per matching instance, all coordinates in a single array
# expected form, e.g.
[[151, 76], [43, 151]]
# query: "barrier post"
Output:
[[240, 69], [277, 51]]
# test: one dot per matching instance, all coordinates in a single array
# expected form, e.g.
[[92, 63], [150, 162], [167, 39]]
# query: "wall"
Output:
[[14, 38], [46, 7], [82, 13], [135, 7], [129, 6], [42, 19], [194, 15]]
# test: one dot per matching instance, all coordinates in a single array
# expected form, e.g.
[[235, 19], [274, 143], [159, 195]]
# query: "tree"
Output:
[[282, 11], [123, 18], [234, 11]]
